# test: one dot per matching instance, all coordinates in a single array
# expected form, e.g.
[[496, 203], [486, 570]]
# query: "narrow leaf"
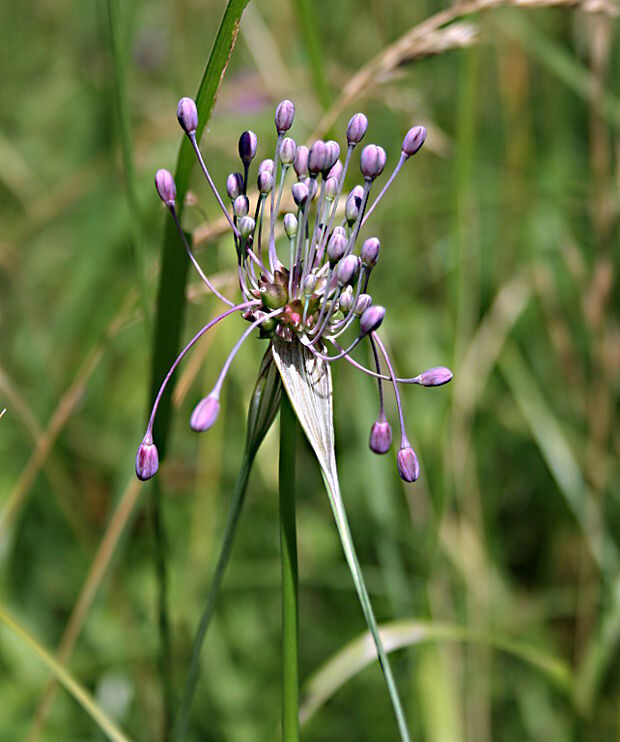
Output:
[[308, 384]]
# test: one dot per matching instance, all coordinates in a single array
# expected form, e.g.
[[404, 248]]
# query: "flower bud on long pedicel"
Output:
[[331, 188], [166, 189], [205, 413], [317, 158], [333, 153], [247, 225], [346, 299], [371, 319], [309, 284], [336, 246], [435, 376], [147, 460], [380, 436], [357, 128], [290, 225], [300, 193], [364, 301], [234, 185], [408, 466], [288, 148], [247, 146], [372, 161], [413, 141], [336, 171], [285, 115], [370, 252], [300, 163], [347, 269], [187, 114], [267, 165], [241, 206], [354, 202], [264, 181]]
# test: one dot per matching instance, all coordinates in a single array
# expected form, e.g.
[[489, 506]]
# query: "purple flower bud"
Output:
[[370, 252], [408, 466], [290, 225], [288, 148], [317, 158], [371, 319], [413, 141], [241, 206], [435, 376], [205, 413], [247, 146], [300, 163], [354, 202], [357, 128], [187, 115], [309, 284], [267, 165], [300, 193], [364, 301], [285, 114], [380, 436], [166, 189], [336, 171], [264, 181], [246, 226], [346, 300], [234, 185], [347, 269], [333, 153], [147, 460], [336, 246], [372, 161], [331, 188]]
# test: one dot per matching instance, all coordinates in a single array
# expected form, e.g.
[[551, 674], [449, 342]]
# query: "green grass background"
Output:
[[500, 246]]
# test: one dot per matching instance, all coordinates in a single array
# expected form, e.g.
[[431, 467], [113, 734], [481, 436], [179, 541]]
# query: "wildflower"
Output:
[[319, 291]]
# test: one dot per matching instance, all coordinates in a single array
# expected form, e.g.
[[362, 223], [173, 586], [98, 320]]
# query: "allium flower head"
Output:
[[312, 287]]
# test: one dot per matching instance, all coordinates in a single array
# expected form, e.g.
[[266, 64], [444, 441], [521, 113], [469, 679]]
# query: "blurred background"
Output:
[[500, 259]]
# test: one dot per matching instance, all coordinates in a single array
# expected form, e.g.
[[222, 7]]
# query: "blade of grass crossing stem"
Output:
[[124, 126], [81, 695], [264, 405], [307, 381], [288, 549]]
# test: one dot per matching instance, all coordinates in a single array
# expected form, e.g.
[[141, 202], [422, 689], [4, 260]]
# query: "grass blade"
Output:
[[81, 695]]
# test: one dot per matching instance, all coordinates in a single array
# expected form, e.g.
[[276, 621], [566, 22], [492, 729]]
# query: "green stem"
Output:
[[234, 511], [288, 547]]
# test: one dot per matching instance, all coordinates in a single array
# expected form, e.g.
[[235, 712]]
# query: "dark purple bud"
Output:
[[336, 171], [187, 115], [364, 301], [354, 202], [147, 460], [435, 376], [371, 319], [333, 153], [246, 226], [357, 128], [346, 299], [288, 148], [205, 413], [247, 146], [347, 269], [413, 141], [290, 225], [285, 114], [267, 165], [372, 161], [300, 193], [264, 181], [408, 466], [317, 158], [241, 206], [234, 185], [166, 189], [331, 188], [300, 163], [336, 246], [370, 252], [380, 436]]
